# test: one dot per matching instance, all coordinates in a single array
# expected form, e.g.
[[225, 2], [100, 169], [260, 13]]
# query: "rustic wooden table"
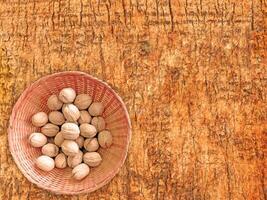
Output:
[[192, 74]]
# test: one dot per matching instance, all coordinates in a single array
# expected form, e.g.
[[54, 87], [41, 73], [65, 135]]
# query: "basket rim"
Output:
[[12, 118]]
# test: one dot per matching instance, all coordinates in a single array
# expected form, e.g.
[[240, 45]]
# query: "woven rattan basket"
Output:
[[34, 100]]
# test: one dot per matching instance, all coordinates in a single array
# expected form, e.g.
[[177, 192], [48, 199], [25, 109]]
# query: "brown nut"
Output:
[[67, 95], [37, 139], [70, 112], [80, 171], [91, 144], [54, 103], [61, 161], [88, 130], [92, 159], [59, 139], [69, 147], [50, 150], [99, 123], [39, 119], [45, 163], [70, 131], [80, 141], [56, 117], [96, 109], [50, 130], [83, 101], [105, 139], [85, 117], [75, 160], [50, 140]]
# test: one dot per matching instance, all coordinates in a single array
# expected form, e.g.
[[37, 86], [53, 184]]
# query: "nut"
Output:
[[71, 112], [67, 95], [39, 119], [83, 101], [70, 131], [80, 171], [99, 123], [88, 130], [37, 139], [92, 159], [45, 163], [56, 117], [96, 109], [69, 147], [75, 160], [85, 117], [50, 150], [105, 139], [58, 140], [61, 161], [80, 141], [91, 144], [50, 140], [50, 130], [54, 103]]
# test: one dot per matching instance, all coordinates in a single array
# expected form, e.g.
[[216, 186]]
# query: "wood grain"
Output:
[[192, 74]]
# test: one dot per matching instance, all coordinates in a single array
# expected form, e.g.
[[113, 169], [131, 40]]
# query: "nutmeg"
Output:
[[83, 101], [85, 117], [88, 130], [91, 144], [37, 139], [105, 139], [80, 141], [67, 95], [92, 159], [45, 163], [61, 161], [50, 150], [39, 119], [99, 123], [96, 109], [50, 130], [75, 160], [56, 117], [54, 103], [70, 112], [80, 171], [69, 147], [70, 131], [59, 139]]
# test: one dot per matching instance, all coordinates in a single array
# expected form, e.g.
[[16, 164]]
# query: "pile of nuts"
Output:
[[71, 133]]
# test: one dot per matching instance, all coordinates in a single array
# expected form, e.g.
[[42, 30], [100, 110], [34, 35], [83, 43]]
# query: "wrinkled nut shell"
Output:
[[88, 130], [37, 139], [39, 119], [92, 159], [69, 147], [96, 109], [83, 101], [99, 123], [75, 160], [80, 171], [45, 163], [80, 141], [67, 95], [50, 130], [56, 117], [58, 140], [54, 103], [50, 150], [91, 144], [61, 161], [71, 112], [70, 131], [105, 139], [85, 117]]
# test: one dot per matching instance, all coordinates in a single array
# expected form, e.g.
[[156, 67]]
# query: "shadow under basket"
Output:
[[34, 99]]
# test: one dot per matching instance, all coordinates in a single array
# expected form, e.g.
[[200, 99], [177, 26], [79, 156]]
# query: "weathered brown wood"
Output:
[[193, 76]]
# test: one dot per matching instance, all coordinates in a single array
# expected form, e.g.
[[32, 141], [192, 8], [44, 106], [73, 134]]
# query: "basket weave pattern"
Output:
[[34, 100]]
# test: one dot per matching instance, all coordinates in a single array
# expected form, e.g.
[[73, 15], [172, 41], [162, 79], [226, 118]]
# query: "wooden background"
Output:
[[193, 75]]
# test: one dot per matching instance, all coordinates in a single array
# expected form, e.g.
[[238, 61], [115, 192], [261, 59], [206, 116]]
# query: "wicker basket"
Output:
[[34, 100]]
